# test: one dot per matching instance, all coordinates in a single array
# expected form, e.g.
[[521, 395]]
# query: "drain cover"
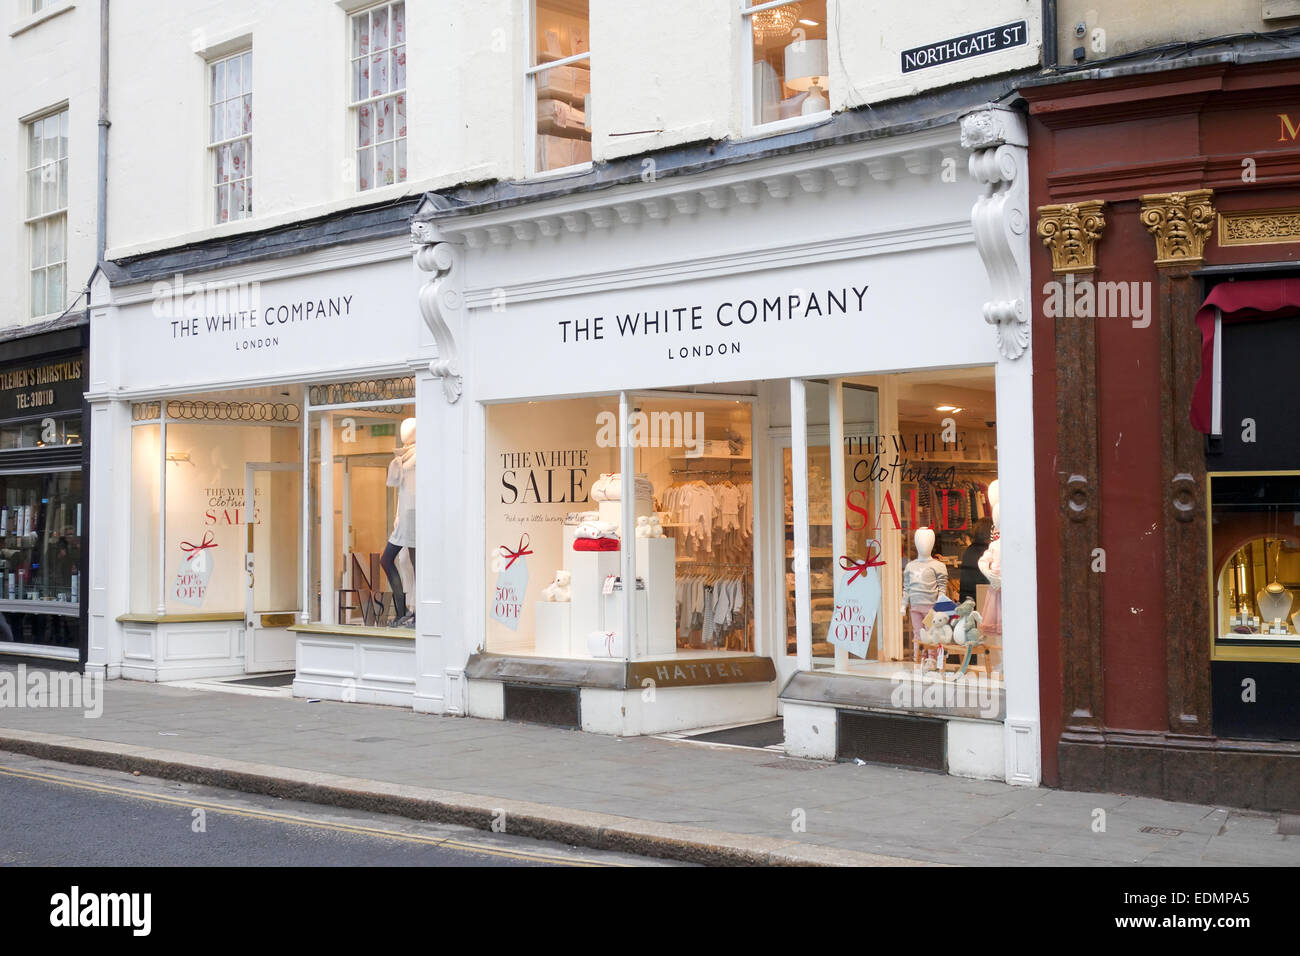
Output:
[[1162, 831]]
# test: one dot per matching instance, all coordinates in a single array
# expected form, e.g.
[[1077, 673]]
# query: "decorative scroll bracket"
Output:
[[999, 140], [441, 301]]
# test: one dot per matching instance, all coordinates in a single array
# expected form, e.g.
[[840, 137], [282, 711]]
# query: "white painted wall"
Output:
[[47, 60], [670, 74]]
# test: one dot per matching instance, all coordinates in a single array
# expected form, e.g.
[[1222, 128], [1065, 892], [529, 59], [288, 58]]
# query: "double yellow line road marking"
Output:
[[288, 818]]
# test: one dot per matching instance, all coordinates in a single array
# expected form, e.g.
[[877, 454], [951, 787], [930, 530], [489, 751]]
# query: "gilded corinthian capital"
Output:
[[1180, 223], [1071, 230]]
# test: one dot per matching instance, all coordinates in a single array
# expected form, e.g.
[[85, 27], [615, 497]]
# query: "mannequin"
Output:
[[401, 475], [925, 582], [990, 564]]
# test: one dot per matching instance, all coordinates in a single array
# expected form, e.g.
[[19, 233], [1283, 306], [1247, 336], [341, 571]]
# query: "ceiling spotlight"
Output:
[[947, 408]]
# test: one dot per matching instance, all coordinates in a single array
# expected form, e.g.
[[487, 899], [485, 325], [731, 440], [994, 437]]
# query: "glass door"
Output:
[[273, 515]]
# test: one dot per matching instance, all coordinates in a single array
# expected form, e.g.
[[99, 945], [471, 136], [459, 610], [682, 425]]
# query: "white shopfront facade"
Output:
[[244, 418], [791, 305]]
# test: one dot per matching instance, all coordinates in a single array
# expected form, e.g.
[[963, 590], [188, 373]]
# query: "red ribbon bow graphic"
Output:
[[192, 549], [859, 568], [515, 555]]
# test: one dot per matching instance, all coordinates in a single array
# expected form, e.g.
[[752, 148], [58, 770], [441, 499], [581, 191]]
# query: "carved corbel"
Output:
[[441, 302], [1180, 223], [999, 139]]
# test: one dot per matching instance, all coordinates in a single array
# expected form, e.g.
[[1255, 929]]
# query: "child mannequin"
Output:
[[925, 581]]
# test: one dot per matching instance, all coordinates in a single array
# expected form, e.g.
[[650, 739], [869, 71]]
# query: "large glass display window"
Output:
[[903, 553], [362, 490], [215, 482], [558, 525]]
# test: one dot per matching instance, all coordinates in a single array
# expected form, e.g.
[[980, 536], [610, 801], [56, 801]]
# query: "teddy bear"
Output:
[[967, 632], [649, 526], [558, 590], [967, 629], [937, 632]]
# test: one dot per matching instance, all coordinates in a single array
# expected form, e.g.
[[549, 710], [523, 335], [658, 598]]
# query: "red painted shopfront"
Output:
[[1162, 673]]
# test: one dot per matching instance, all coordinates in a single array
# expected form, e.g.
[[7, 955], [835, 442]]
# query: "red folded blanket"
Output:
[[595, 544]]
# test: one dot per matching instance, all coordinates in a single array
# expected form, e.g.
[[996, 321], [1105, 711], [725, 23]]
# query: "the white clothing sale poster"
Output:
[[857, 602]]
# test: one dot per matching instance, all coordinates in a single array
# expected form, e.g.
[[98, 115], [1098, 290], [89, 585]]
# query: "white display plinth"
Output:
[[587, 607], [656, 564], [551, 637]]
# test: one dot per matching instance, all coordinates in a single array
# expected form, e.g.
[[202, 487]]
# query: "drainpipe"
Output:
[[1049, 34], [101, 198]]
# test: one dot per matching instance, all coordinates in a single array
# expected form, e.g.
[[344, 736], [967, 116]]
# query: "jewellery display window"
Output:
[[1254, 545]]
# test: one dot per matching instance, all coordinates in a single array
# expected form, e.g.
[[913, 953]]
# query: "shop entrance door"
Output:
[[273, 580]]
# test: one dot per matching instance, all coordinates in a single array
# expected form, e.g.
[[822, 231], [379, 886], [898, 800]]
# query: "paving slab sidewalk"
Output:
[[666, 798]]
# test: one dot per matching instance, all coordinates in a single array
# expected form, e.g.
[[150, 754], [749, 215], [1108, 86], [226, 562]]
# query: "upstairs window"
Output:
[[230, 141], [788, 67], [47, 213], [558, 85], [378, 82]]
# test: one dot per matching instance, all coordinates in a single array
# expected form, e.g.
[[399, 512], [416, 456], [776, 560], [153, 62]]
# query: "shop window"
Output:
[[919, 452], [41, 526], [558, 84], [47, 213], [1255, 555], [362, 502], [555, 529], [230, 140], [378, 88], [190, 477], [788, 65]]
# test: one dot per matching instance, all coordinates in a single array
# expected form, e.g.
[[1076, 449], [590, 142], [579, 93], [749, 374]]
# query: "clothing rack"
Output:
[[713, 473], [687, 564]]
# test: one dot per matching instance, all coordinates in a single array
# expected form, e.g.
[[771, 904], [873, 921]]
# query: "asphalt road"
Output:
[[55, 814]]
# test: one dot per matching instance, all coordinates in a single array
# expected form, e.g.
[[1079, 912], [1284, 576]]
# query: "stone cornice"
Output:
[[827, 170]]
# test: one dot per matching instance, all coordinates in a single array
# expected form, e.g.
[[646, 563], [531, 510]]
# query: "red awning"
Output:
[[1238, 302]]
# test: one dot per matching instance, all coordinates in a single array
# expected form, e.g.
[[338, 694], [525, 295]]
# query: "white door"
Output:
[[273, 582]]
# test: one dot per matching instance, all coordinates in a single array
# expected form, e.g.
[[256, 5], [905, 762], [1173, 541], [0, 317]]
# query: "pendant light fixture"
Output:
[[774, 23]]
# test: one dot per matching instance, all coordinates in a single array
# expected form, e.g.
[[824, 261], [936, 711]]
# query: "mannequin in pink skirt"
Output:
[[990, 565]]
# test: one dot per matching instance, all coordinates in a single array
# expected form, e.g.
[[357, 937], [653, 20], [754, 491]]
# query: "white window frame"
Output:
[[355, 105], [44, 217], [531, 71], [214, 146], [748, 126]]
